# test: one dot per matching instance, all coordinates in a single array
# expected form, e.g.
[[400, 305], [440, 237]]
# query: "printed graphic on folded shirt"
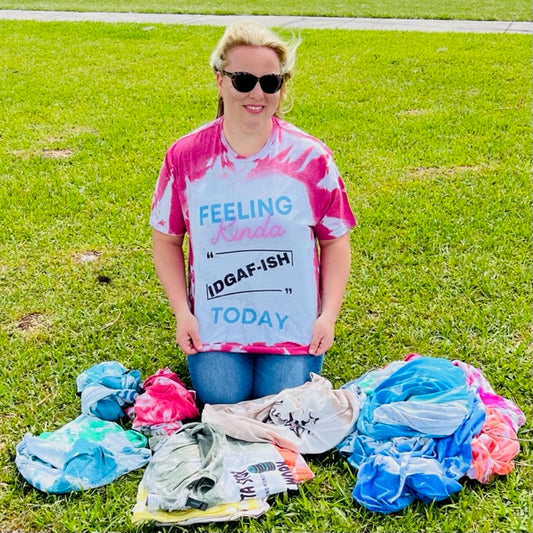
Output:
[[200, 467]]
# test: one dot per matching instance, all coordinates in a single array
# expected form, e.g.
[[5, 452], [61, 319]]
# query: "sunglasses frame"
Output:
[[234, 75]]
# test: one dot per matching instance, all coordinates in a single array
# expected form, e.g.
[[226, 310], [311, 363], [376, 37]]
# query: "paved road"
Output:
[[345, 23]]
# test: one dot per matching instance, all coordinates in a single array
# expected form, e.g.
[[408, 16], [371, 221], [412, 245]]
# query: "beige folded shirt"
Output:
[[311, 418]]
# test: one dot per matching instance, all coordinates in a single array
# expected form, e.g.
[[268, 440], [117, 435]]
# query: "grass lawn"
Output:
[[432, 133], [448, 9]]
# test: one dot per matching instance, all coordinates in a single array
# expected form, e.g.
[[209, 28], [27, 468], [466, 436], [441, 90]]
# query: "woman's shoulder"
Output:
[[293, 134], [197, 138]]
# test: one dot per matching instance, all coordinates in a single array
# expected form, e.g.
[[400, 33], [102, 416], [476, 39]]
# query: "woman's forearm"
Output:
[[335, 263], [169, 264], [334, 272]]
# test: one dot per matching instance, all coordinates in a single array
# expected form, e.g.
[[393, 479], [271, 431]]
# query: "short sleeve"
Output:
[[167, 210], [332, 207]]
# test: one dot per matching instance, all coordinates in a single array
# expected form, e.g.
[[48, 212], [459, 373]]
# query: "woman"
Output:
[[255, 195]]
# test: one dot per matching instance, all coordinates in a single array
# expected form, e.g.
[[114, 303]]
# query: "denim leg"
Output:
[[221, 377], [273, 373]]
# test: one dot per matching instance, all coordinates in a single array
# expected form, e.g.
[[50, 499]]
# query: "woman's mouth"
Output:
[[254, 108]]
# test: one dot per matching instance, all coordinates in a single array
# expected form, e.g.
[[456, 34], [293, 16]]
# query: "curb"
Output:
[[345, 23]]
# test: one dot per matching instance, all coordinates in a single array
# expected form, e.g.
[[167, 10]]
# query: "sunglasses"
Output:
[[244, 82]]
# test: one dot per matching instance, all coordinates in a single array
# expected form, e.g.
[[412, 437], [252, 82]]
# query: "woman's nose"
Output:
[[257, 91]]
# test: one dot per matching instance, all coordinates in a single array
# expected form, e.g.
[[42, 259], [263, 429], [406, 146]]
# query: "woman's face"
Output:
[[255, 108]]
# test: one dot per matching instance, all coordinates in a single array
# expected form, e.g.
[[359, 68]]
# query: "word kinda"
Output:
[[215, 289], [230, 211], [248, 316], [230, 232]]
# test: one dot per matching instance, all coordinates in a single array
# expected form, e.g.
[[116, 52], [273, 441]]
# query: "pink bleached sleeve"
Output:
[[314, 167], [331, 205], [167, 213]]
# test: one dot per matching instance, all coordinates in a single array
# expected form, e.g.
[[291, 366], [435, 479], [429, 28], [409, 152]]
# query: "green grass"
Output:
[[432, 134], [448, 9]]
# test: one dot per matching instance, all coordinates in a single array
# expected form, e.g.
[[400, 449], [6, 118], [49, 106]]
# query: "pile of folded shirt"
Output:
[[91, 450], [230, 463], [220, 468], [412, 430], [425, 424]]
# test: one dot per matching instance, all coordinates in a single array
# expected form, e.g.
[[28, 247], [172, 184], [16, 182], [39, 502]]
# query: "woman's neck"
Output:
[[246, 142]]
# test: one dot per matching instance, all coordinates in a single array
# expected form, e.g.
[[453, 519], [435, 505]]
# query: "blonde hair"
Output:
[[250, 33]]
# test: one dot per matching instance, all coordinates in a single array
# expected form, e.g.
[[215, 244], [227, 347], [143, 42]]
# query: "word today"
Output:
[[248, 316]]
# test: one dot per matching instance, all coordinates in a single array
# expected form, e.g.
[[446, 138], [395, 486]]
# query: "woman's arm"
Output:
[[335, 262], [169, 264]]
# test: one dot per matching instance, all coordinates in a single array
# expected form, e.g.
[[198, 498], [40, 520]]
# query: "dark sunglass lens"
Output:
[[271, 83], [244, 82]]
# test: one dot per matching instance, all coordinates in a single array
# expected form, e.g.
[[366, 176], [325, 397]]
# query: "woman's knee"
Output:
[[274, 373], [221, 377]]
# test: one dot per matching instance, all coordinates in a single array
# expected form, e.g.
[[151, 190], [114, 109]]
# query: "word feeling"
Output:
[[232, 211], [229, 280]]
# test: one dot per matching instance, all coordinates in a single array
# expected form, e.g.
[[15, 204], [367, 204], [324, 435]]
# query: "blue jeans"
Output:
[[226, 377]]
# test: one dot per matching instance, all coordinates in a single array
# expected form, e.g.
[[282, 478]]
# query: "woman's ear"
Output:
[[219, 79]]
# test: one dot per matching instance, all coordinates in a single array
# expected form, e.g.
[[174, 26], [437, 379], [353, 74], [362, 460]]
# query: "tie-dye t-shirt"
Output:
[[252, 224]]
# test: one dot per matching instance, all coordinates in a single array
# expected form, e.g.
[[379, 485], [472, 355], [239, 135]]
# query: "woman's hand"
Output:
[[334, 272], [187, 333], [170, 267], [323, 335]]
